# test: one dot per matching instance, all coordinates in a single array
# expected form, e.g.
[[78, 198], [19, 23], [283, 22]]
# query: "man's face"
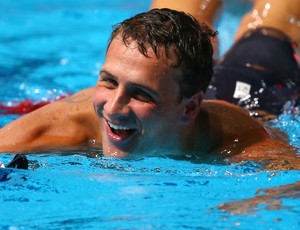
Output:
[[136, 101]]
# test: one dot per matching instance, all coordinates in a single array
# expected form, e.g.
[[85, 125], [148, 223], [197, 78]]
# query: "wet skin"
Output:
[[136, 101]]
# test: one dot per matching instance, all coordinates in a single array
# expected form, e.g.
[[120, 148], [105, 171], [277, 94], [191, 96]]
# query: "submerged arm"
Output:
[[271, 198], [65, 123]]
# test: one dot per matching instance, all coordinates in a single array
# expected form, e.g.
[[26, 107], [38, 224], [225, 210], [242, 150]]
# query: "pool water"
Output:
[[50, 48]]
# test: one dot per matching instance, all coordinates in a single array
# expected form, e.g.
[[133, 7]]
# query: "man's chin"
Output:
[[131, 153], [115, 152]]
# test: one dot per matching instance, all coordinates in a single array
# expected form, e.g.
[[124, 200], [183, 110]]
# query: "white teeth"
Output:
[[117, 127]]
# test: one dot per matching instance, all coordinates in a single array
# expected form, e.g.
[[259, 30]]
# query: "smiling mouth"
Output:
[[121, 131]]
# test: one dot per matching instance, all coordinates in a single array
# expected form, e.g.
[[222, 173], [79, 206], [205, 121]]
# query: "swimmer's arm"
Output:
[[65, 123], [272, 197]]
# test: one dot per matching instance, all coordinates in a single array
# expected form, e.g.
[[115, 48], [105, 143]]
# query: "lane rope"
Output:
[[26, 106]]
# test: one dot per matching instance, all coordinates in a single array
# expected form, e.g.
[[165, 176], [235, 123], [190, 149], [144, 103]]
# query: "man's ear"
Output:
[[192, 106]]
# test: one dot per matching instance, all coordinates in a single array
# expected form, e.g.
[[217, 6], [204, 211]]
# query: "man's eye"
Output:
[[143, 96], [107, 82]]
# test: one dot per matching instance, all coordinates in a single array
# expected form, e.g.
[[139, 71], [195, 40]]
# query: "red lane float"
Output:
[[26, 106]]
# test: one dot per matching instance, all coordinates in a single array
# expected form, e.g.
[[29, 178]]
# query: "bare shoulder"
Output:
[[67, 122], [232, 120], [242, 137]]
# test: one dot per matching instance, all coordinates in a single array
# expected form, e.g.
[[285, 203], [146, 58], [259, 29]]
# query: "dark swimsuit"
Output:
[[259, 72]]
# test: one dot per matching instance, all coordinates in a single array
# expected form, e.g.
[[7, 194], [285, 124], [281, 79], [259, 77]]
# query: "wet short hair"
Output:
[[175, 33]]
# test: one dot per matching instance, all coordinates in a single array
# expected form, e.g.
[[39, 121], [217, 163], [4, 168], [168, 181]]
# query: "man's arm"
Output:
[[271, 199], [66, 123]]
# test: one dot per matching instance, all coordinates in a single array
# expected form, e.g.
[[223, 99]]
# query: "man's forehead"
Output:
[[129, 54], [129, 45], [166, 55], [127, 62]]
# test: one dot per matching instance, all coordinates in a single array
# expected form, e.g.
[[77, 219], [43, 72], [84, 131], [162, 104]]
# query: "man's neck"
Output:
[[201, 136]]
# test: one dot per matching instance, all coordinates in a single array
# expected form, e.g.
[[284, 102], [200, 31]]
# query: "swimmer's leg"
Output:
[[206, 11]]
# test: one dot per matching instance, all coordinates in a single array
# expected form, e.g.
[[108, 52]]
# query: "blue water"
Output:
[[48, 48]]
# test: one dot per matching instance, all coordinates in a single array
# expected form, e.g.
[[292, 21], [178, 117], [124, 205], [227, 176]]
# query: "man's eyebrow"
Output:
[[141, 86], [106, 73]]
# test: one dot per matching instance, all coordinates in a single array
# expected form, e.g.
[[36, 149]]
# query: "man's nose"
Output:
[[118, 103]]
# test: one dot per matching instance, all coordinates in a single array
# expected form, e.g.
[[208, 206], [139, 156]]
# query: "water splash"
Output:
[[289, 122]]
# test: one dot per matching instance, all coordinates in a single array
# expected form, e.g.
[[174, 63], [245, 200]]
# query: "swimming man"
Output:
[[149, 101]]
